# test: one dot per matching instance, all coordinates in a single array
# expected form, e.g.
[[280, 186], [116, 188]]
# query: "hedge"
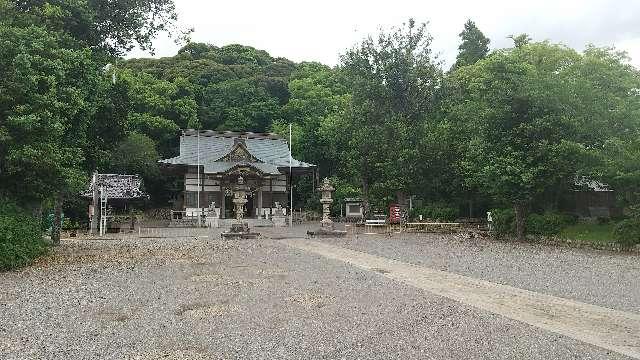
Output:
[[627, 233], [546, 224], [21, 238], [436, 212]]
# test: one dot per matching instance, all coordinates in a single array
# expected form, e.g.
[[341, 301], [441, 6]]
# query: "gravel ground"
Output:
[[205, 298], [604, 278]]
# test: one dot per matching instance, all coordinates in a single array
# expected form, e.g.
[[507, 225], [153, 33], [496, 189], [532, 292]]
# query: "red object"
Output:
[[395, 214]]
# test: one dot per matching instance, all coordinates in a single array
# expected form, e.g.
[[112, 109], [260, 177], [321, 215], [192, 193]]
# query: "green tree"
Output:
[[114, 27], [51, 57], [474, 45], [317, 96], [136, 154], [394, 81], [47, 102], [520, 40], [529, 130]]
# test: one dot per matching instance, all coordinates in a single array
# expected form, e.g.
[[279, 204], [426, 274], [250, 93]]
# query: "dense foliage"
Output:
[[20, 236], [55, 97], [627, 232], [436, 212], [512, 128], [473, 47]]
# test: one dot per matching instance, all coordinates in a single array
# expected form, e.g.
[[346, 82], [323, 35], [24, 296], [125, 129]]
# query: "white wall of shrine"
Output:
[[211, 189]]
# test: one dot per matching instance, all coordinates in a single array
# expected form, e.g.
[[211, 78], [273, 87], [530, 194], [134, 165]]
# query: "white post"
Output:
[[290, 181], [198, 161]]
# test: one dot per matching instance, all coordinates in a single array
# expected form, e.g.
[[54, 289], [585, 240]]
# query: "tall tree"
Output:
[[317, 96], [52, 76], [474, 45], [394, 80]]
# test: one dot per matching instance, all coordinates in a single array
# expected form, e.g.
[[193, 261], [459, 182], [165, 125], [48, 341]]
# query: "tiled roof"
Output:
[[271, 151], [590, 184], [117, 186]]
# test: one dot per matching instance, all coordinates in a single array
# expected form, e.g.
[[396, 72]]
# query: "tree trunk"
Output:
[[95, 203], [37, 213], [520, 220], [365, 197], [57, 220]]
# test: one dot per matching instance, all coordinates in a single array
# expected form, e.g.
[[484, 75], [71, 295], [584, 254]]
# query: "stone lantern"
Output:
[[326, 228], [239, 230], [240, 198], [326, 189]]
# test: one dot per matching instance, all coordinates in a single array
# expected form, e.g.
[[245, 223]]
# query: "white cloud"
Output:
[[321, 31]]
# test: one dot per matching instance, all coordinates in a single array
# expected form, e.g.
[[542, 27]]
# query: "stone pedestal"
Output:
[[212, 219], [279, 221], [278, 218], [212, 222]]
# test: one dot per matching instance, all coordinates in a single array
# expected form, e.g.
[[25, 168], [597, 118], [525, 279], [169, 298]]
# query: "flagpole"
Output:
[[290, 181], [198, 161]]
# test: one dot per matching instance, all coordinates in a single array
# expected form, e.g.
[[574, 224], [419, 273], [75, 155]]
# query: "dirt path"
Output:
[[610, 329]]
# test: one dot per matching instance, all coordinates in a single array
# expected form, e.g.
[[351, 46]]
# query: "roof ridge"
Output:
[[232, 134]]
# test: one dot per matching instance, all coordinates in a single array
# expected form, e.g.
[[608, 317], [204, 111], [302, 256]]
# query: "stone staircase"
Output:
[[226, 223]]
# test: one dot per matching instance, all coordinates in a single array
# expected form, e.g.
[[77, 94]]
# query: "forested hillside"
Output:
[[512, 128]]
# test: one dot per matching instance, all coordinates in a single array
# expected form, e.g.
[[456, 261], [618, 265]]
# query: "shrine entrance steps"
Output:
[[226, 223]]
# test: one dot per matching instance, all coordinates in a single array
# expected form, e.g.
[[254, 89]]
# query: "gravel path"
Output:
[[187, 298], [597, 277]]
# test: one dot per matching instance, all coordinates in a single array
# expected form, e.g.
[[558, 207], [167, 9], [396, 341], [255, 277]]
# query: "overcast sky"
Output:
[[322, 30]]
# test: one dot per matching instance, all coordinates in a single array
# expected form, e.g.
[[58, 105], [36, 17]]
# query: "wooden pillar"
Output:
[[260, 199], [271, 197], [223, 202]]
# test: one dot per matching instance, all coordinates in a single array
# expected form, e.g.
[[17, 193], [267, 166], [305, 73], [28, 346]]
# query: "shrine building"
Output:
[[218, 158]]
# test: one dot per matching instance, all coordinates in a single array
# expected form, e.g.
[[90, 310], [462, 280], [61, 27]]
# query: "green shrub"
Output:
[[20, 237], [548, 223], [627, 233], [504, 221], [436, 212]]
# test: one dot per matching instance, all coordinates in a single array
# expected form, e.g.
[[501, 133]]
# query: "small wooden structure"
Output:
[[110, 187], [353, 209]]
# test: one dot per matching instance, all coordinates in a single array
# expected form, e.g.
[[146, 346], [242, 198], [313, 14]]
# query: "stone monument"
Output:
[[326, 225], [212, 218], [239, 229], [278, 218], [240, 198]]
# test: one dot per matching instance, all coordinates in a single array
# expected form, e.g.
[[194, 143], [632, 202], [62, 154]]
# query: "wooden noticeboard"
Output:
[[395, 214]]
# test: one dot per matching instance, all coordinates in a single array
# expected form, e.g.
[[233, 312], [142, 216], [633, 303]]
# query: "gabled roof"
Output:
[[116, 186], [266, 152], [226, 166]]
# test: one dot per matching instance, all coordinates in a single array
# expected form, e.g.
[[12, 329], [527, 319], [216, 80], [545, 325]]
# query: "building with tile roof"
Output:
[[211, 162]]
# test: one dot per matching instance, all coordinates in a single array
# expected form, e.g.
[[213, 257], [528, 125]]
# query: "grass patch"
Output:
[[592, 233]]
